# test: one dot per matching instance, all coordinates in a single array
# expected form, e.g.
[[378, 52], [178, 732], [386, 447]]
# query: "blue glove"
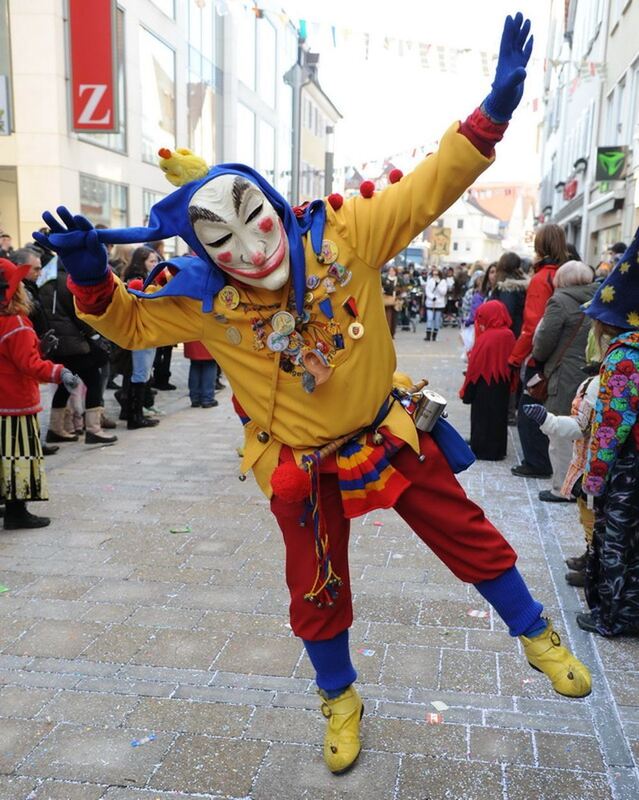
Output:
[[536, 412], [77, 245], [508, 86]]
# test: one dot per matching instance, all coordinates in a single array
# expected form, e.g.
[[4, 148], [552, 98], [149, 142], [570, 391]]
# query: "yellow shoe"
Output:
[[341, 743], [567, 674]]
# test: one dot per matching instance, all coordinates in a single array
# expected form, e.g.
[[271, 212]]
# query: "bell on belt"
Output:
[[263, 437], [429, 409]]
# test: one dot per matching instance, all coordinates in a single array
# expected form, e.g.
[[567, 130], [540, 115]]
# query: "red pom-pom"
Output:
[[336, 201], [367, 189], [136, 283], [395, 175], [290, 482]]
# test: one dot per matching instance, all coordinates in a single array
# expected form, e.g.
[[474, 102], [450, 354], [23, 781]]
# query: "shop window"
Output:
[[157, 76], [104, 202]]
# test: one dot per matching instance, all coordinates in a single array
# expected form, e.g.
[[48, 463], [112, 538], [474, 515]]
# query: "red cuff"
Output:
[[482, 132], [56, 373], [93, 299]]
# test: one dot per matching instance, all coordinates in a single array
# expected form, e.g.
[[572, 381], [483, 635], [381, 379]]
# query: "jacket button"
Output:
[[263, 437]]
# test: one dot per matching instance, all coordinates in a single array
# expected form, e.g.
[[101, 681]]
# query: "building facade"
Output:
[[182, 81], [591, 108]]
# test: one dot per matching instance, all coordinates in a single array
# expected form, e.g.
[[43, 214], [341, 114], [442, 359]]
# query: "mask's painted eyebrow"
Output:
[[197, 212], [240, 186]]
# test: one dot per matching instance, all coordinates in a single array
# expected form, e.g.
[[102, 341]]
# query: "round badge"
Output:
[[230, 297], [313, 281], [308, 298], [329, 251], [277, 342], [356, 330], [283, 322], [329, 285], [233, 335]]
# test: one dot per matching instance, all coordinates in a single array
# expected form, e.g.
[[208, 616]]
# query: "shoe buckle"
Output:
[[326, 710], [554, 638]]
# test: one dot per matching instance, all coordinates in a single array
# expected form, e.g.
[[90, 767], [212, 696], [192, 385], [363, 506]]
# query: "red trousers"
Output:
[[435, 506]]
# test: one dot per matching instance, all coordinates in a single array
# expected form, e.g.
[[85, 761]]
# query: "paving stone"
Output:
[[118, 643], [504, 747], [468, 671], [116, 686], [53, 587], [411, 666], [287, 725], [407, 736], [96, 755], [45, 680], [17, 738], [184, 649], [57, 638], [154, 617], [108, 613], [291, 772], [206, 764], [454, 614], [261, 654], [625, 687], [17, 701], [58, 790], [15, 788], [567, 751], [431, 636], [444, 779], [523, 783], [132, 672], [187, 716], [88, 708], [213, 694], [538, 722], [76, 666], [253, 681]]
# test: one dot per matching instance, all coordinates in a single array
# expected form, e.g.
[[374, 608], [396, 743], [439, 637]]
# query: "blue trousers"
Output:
[[433, 319], [142, 364], [534, 443], [202, 376]]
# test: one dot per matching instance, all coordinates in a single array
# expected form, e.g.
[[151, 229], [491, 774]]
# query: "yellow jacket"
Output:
[[367, 233]]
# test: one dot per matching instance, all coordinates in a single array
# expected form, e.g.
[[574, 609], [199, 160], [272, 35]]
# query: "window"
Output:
[[166, 7], [246, 54], [202, 96], [455, 246], [157, 76], [266, 151], [267, 60], [104, 202], [114, 141], [460, 223], [245, 135], [5, 70]]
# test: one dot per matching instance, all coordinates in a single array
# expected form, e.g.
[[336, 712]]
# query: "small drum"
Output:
[[429, 408]]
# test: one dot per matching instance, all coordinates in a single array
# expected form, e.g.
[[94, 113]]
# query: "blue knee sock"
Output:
[[509, 596], [332, 662]]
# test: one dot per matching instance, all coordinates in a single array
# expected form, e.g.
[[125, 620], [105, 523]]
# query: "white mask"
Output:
[[240, 230]]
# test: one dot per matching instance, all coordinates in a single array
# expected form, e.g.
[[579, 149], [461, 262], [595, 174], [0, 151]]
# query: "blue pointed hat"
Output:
[[198, 276], [616, 302]]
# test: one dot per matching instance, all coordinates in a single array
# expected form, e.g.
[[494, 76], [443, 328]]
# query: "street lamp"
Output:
[[297, 77]]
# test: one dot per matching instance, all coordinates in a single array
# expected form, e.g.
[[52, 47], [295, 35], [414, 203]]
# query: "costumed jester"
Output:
[[289, 303]]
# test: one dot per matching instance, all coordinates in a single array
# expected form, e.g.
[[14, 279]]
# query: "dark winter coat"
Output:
[[512, 293], [57, 300], [37, 315], [559, 323]]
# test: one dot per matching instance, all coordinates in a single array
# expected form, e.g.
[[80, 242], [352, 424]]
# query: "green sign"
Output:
[[610, 163]]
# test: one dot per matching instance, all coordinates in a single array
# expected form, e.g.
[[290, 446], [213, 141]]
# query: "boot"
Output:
[[57, 430], [576, 578], [49, 449], [106, 422], [136, 418], [428, 336], [16, 517], [577, 563], [341, 743], [435, 336], [94, 433], [122, 396], [545, 653], [149, 395]]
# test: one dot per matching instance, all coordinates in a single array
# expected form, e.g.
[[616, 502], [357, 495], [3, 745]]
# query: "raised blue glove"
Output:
[[77, 245], [536, 412], [508, 86]]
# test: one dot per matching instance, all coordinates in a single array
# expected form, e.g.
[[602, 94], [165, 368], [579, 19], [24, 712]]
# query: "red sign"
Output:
[[93, 67], [570, 189]]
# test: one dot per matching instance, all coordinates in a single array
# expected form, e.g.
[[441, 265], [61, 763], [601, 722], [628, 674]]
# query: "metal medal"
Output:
[[230, 297], [283, 322], [233, 335], [329, 251], [277, 342], [356, 330], [312, 282]]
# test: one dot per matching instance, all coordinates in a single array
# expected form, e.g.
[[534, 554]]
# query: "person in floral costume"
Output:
[[611, 478]]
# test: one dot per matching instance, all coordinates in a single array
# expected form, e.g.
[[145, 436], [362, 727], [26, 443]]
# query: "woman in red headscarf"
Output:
[[487, 385]]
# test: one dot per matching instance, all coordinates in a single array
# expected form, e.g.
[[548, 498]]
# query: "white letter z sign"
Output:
[[97, 92]]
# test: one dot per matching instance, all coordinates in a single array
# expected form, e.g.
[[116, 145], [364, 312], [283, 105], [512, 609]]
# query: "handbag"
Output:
[[537, 386]]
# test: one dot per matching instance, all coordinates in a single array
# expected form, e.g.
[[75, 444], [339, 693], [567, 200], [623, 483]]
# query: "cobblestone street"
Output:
[[115, 629]]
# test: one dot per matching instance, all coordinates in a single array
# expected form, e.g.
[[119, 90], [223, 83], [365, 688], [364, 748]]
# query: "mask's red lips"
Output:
[[270, 265]]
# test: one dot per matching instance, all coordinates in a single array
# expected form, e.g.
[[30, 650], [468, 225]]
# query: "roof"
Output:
[[472, 202]]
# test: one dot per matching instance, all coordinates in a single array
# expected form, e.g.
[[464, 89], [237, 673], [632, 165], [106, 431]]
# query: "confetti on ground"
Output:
[[378, 523], [109, 488], [438, 705], [475, 612], [180, 529], [434, 719], [363, 652], [3, 589], [143, 740], [527, 680], [397, 555]]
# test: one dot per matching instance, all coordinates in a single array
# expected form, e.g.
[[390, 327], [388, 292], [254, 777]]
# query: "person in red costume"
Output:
[[550, 254], [288, 303], [22, 369]]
